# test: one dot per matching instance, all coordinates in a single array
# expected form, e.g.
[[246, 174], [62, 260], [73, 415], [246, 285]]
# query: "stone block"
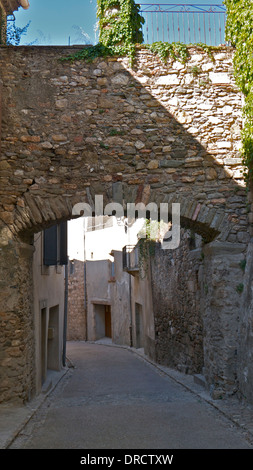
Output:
[[219, 78], [168, 80]]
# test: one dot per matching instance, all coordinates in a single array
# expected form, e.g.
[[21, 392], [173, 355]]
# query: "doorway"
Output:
[[103, 321], [53, 346], [108, 321], [49, 341], [43, 345]]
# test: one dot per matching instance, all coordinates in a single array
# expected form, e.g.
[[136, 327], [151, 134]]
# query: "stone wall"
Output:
[[176, 284], [154, 133], [245, 347], [77, 322], [73, 130], [17, 342]]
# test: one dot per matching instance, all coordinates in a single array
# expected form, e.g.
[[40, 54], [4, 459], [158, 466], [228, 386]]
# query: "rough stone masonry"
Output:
[[163, 133]]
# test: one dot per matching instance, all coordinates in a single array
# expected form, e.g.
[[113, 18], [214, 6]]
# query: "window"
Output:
[[55, 245], [112, 269], [71, 267]]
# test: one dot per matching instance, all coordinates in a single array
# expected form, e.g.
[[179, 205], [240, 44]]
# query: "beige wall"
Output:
[[121, 307], [132, 325], [77, 314], [142, 306], [132, 309], [98, 293], [48, 293], [114, 291]]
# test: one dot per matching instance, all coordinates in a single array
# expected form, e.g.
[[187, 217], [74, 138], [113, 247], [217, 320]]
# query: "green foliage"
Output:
[[146, 249], [14, 33], [114, 132], [239, 288], [90, 53], [120, 26], [239, 31], [208, 49], [119, 22], [195, 70], [150, 233], [177, 50], [242, 264], [164, 50], [120, 30]]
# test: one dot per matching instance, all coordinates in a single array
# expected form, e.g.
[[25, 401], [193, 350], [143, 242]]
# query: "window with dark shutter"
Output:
[[50, 246], [63, 229], [55, 245]]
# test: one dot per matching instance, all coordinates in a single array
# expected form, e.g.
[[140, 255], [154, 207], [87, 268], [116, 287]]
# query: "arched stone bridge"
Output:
[[154, 133]]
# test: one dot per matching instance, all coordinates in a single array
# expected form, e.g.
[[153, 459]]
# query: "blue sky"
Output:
[[56, 22]]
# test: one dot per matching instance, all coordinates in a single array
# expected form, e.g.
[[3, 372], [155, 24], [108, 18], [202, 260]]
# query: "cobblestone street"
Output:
[[112, 398]]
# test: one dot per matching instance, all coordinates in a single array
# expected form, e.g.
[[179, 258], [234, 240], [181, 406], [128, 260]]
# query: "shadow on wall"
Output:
[[157, 133], [159, 130]]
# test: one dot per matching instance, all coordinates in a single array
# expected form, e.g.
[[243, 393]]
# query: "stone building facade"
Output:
[[157, 133], [48, 315], [177, 285], [77, 308]]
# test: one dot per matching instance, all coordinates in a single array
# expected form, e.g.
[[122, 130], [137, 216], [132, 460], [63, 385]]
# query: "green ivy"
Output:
[[164, 50], [14, 33], [239, 32], [148, 237], [119, 31], [177, 50], [119, 22], [146, 249]]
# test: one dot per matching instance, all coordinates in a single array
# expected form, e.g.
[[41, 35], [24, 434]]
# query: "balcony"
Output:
[[131, 259]]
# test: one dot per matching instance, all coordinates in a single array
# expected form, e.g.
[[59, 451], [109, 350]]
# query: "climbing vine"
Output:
[[14, 33], [177, 50], [119, 31], [119, 23], [165, 50], [239, 32], [151, 232], [146, 249]]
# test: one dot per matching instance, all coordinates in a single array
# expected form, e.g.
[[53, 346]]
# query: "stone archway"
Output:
[[71, 131]]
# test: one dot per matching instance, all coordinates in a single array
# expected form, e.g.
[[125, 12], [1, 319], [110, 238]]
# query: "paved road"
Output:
[[113, 399]]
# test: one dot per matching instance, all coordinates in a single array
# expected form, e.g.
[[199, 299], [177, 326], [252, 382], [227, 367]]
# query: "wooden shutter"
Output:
[[63, 237], [50, 246]]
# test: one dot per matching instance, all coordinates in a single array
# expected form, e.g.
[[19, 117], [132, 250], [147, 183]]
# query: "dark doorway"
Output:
[[108, 321]]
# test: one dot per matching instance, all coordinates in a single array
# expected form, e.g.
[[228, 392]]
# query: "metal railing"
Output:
[[188, 24]]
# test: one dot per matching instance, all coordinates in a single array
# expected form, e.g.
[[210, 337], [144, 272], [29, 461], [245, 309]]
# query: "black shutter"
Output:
[[50, 246], [63, 243]]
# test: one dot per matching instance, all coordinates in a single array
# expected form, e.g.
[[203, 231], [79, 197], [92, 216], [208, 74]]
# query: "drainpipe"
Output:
[[24, 4], [131, 313], [85, 288]]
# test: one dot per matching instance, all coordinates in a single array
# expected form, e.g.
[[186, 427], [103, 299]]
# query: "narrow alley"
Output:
[[112, 398]]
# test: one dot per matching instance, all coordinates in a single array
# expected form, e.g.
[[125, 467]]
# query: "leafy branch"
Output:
[[120, 30], [14, 33], [239, 31]]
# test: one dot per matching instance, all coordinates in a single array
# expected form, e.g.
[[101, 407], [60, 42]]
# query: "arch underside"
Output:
[[39, 213]]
